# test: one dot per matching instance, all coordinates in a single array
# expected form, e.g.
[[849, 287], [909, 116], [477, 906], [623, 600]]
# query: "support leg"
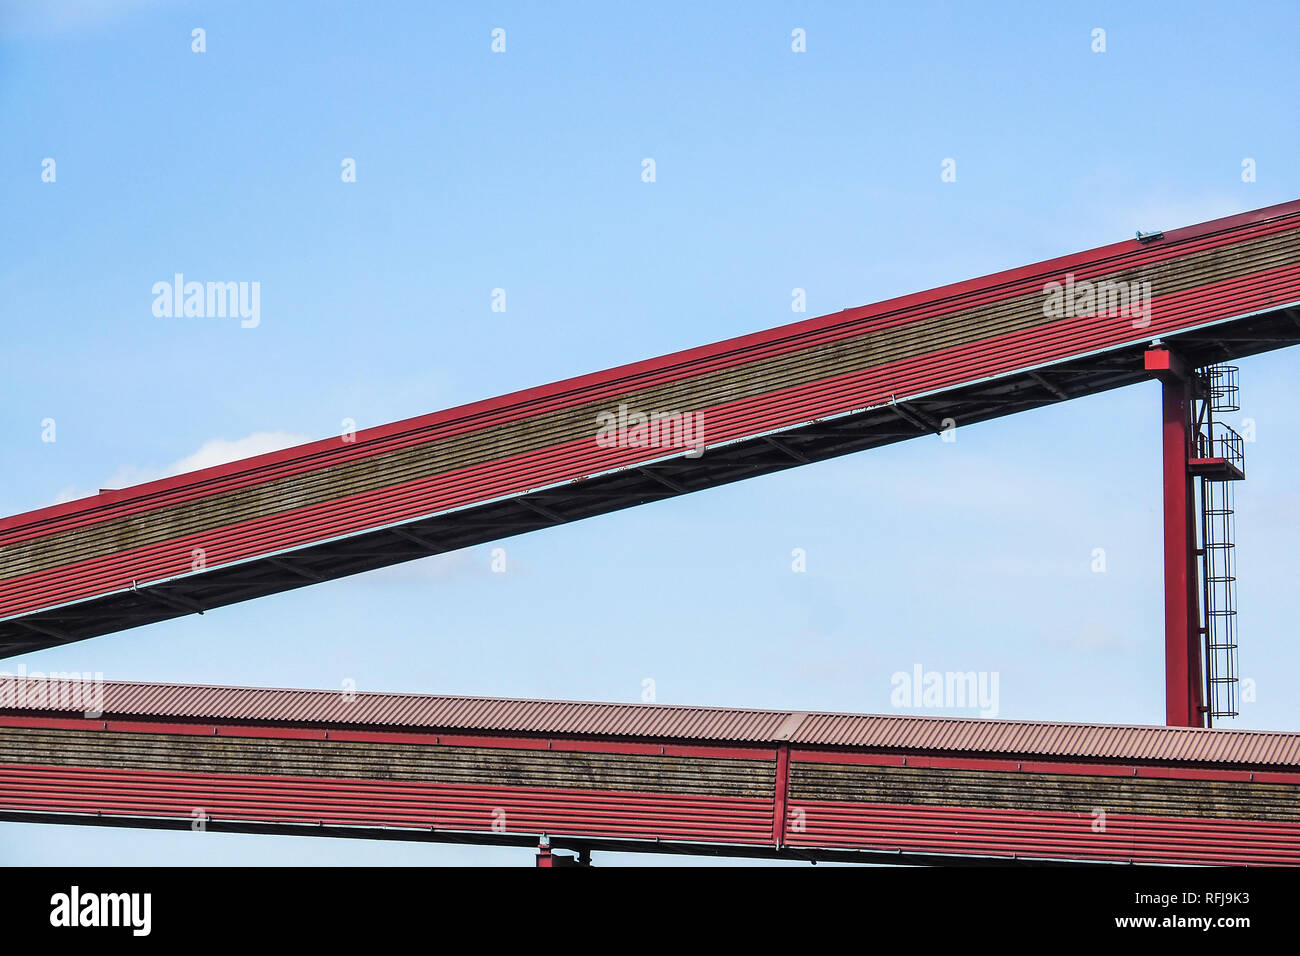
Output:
[[1182, 600]]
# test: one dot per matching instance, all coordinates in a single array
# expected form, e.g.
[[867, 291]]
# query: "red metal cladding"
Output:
[[558, 464], [1036, 834], [626, 814], [759, 749], [672, 818], [1017, 764], [783, 407], [612, 382]]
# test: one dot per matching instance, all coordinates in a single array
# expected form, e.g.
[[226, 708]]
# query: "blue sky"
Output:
[[522, 171]]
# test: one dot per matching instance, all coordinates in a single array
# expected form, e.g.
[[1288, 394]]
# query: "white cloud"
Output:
[[70, 493], [218, 451], [58, 16]]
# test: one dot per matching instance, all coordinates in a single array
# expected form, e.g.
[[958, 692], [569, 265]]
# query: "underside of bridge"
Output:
[[643, 778]]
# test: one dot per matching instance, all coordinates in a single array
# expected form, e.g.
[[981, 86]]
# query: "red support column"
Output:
[[1182, 599], [544, 855], [782, 789]]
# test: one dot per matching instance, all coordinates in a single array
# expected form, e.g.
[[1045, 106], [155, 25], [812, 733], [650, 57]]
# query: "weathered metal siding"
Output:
[[144, 794], [543, 437], [1032, 834], [1076, 792], [1137, 813], [397, 761], [400, 781], [682, 790]]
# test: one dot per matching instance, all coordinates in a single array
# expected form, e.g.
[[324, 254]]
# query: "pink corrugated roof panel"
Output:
[[733, 725], [961, 735], [411, 710]]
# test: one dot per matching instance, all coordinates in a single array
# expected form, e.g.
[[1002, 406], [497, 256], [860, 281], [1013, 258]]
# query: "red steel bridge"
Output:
[[644, 777], [1173, 306]]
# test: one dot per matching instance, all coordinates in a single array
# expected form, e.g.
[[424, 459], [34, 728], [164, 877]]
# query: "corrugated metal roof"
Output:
[[1051, 739], [125, 699], [422, 711]]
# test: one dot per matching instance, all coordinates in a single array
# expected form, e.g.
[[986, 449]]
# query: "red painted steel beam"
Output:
[[782, 790], [1183, 699], [151, 799]]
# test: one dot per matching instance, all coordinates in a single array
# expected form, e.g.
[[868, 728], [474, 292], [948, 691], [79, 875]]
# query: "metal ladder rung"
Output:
[[1220, 392]]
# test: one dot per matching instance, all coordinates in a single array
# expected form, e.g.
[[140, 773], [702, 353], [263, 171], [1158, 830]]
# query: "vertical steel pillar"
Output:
[[782, 790], [1183, 695], [544, 855]]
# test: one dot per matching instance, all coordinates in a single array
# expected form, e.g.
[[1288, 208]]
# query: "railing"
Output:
[[1222, 388], [1218, 440]]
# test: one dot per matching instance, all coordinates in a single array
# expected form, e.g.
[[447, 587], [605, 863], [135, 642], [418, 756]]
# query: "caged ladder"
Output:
[[1218, 459]]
